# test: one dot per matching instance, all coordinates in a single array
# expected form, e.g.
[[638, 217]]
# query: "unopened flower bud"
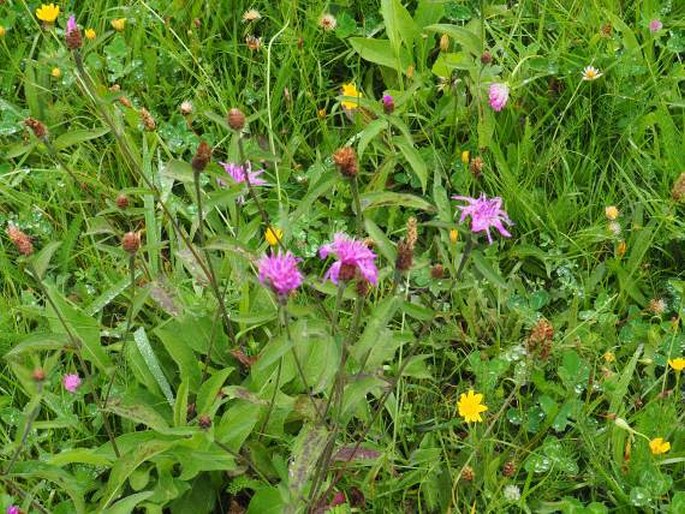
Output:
[[236, 119], [122, 201], [444, 43], [204, 421], [476, 166], [678, 191], [202, 157], [438, 272], [38, 375], [388, 104], [37, 127], [405, 256], [148, 121], [20, 240], [131, 242], [73, 34], [346, 160], [486, 57]]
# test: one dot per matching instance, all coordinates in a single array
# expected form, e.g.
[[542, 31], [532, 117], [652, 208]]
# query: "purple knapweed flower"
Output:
[[352, 255], [239, 175], [388, 103], [280, 273], [498, 95], [485, 213], [655, 25], [13, 509], [71, 25], [71, 382]]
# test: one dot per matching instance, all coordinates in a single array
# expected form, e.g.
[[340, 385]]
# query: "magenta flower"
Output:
[[655, 25], [498, 96], [239, 175], [71, 382], [71, 24], [13, 509], [388, 103], [352, 255], [485, 213], [280, 273]]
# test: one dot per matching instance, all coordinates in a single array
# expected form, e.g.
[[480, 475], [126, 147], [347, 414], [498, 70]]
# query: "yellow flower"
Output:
[[90, 34], [454, 236], [465, 157], [119, 24], [56, 73], [609, 357], [273, 235], [591, 73], [677, 364], [659, 446], [3, 31], [470, 406], [350, 90], [611, 212], [47, 13]]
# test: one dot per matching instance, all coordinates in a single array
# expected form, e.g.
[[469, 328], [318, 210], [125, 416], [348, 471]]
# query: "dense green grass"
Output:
[[223, 397]]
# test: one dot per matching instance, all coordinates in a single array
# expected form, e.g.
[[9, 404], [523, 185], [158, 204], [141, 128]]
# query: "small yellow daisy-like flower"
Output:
[[351, 90], [470, 406], [321, 114], [47, 13], [611, 212], [3, 31], [454, 236], [56, 73], [659, 446], [609, 357], [273, 235], [90, 34], [591, 73], [621, 248], [465, 157], [677, 364], [119, 24]]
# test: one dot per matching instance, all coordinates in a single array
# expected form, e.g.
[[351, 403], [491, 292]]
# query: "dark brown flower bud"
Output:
[[476, 166], [438, 272], [509, 469], [125, 102], [37, 127], [148, 121], [20, 240], [73, 39], [678, 191], [236, 119], [468, 474], [405, 256], [486, 57], [542, 331], [202, 157], [38, 375], [122, 201], [346, 161], [204, 421], [131, 242]]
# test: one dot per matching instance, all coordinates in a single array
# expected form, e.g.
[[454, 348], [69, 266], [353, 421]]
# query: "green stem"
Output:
[[354, 186]]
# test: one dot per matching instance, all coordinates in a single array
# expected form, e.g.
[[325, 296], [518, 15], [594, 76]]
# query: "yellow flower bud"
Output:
[[611, 212], [465, 157], [56, 73], [273, 235], [454, 236]]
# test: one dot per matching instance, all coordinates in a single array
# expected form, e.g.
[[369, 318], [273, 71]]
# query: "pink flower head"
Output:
[[352, 255], [485, 213], [655, 25], [280, 272], [388, 103], [71, 382], [498, 96], [240, 173], [13, 509], [71, 24]]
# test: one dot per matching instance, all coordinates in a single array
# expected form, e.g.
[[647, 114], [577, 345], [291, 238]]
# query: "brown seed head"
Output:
[[38, 374], [253, 43], [202, 157], [657, 306], [437, 272], [122, 201], [148, 121], [123, 100], [204, 421], [468, 474], [412, 232], [678, 191], [509, 469], [131, 242], [486, 57], [605, 30], [20, 240], [236, 119], [542, 331], [405, 256], [346, 160], [37, 127], [476, 166]]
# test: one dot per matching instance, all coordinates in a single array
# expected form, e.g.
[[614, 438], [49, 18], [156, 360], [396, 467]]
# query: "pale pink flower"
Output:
[[498, 95], [352, 256], [485, 213], [280, 272], [71, 382], [239, 175], [13, 509], [655, 25], [71, 24]]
